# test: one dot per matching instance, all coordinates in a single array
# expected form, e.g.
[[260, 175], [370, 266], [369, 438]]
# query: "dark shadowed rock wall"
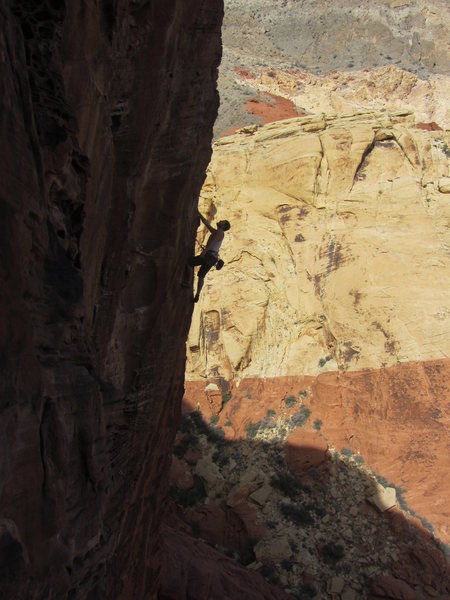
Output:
[[106, 114]]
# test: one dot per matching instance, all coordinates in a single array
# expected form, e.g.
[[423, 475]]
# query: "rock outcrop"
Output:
[[338, 252], [314, 531], [344, 57], [334, 291], [106, 123], [384, 88]]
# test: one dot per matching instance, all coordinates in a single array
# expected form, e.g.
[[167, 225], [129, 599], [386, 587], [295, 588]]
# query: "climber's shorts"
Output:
[[206, 260]]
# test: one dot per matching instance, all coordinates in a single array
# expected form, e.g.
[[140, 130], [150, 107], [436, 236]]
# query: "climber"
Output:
[[210, 255]]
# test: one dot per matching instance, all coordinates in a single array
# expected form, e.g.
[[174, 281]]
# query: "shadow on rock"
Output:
[[286, 516]]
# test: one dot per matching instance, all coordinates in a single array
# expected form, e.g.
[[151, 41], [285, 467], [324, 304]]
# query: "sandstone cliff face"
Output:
[[338, 253], [106, 122], [336, 285]]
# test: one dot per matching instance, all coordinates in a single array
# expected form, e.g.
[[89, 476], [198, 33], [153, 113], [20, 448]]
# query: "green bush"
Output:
[[214, 419], [251, 430], [220, 458], [287, 564], [299, 418], [287, 484], [226, 397], [198, 423], [189, 440], [185, 424], [317, 424], [213, 434], [296, 514], [333, 552], [323, 361], [216, 434], [268, 422], [290, 401]]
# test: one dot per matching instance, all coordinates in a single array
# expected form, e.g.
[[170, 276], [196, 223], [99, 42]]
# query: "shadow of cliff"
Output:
[[300, 516]]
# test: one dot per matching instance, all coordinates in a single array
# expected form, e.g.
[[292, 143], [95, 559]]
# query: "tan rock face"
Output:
[[338, 252]]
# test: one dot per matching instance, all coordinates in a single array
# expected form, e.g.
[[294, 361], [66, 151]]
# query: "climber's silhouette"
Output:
[[210, 255]]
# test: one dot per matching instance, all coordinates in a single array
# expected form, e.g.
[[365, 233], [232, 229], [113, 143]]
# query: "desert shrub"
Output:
[[214, 419], [347, 452], [317, 424], [198, 423], [189, 440], [290, 401], [302, 394], [297, 514], [358, 459], [319, 510], [251, 430], [382, 480], [323, 361], [287, 484], [216, 435], [213, 434], [226, 397], [268, 422], [445, 548], [220, 458], [307, 590], [279, 460], [333, 552], [185, 424], [427, 525], [299, 418], [282, 432], [268, 572], [287, 564]]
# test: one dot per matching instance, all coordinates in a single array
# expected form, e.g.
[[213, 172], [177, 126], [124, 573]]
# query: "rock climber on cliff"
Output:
[[210, 255]]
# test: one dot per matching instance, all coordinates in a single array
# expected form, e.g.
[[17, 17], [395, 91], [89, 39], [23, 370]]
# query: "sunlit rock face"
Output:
[[335, 285], [338, 253], [106, 123]]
